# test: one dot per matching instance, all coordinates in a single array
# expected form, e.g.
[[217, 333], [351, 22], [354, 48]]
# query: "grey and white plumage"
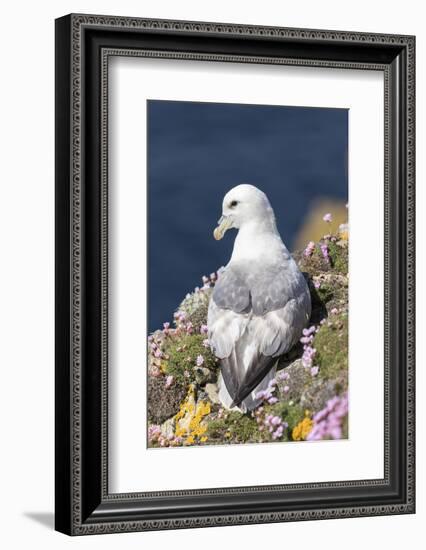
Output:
[[260, 303]]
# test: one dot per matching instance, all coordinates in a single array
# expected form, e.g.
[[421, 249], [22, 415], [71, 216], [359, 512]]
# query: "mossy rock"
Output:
[[338, 252], [300, 377], [181, 354], [328, 290], [316, 264], [195, 306], [315, 395]]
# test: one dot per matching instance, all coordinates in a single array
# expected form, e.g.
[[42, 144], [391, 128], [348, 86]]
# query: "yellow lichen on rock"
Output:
[[301, 431], [190, 423]]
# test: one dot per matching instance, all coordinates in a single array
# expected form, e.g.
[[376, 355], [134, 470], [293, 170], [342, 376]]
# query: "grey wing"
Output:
[[225, 331], [278, 329], [232, 291], [225, 328], [273, 286], [227, 322]]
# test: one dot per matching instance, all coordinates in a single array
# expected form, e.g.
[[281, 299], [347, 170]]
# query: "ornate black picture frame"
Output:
[[83, 45]]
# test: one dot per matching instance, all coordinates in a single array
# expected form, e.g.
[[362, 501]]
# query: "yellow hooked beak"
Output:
[[225, 223]]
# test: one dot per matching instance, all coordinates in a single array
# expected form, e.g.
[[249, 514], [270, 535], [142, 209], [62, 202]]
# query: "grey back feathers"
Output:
[[249, 286], [232, 291]]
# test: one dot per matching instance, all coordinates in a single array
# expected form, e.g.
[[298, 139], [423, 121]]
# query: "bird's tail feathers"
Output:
[[257, 371]]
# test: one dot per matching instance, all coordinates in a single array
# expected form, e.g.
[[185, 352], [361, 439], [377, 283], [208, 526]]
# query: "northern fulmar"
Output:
[[260, 303]]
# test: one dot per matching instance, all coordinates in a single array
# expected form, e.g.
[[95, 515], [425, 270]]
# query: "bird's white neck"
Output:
[[256, 239]]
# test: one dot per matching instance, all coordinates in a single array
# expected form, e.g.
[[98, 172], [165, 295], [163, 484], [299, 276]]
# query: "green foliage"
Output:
[[339, 257], [181, 352], [242, 428], [234, 427], [331, 343], [216, 428], [290, 412], [325, 292]]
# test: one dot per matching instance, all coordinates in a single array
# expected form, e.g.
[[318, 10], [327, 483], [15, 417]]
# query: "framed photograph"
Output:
[[234, 274]]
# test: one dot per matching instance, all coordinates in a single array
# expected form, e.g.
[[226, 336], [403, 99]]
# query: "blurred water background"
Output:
[[198, 151]]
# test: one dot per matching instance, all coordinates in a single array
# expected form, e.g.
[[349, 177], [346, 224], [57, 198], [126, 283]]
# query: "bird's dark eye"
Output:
[[233, 204]]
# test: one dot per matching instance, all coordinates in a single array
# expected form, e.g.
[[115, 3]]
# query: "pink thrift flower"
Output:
[[309, 249], [308, 356], [206, 343], [324, 251], [154, 432], [200, 360], [204, 329], [154, 371], [327, 217], [169, 381], [329, 421], [308, 331], [314, 371]]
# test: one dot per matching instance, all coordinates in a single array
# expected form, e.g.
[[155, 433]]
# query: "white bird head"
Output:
[[244, 204]]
